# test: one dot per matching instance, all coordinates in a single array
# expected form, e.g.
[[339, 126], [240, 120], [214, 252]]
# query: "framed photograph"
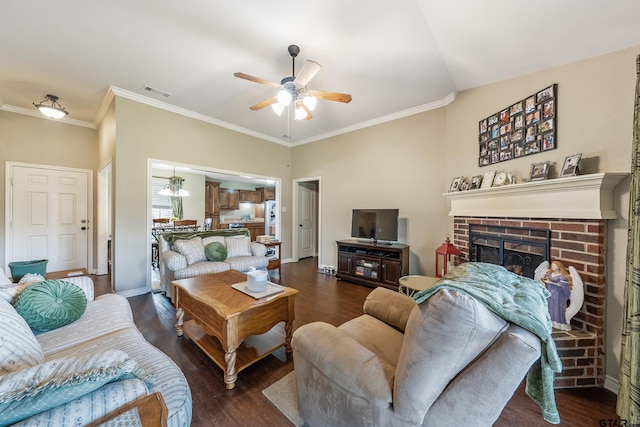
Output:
[[475, 182], [571, 165], [525, 127], [504, 116], [548, 141], [487, 179], [483, 126], [545, 94], [530, 104], [455, 184], [515, 108], [464, 185], [539, 171]]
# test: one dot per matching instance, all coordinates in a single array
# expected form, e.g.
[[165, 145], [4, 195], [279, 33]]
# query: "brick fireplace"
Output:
[[572, 213]]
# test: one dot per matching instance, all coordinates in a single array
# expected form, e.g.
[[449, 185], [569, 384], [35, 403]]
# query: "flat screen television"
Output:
[[375, 224]]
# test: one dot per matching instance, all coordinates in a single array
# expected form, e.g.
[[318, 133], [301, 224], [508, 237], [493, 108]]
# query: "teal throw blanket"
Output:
[[518, 300]]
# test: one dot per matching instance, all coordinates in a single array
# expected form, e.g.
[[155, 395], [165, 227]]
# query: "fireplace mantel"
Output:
[[577, 197]]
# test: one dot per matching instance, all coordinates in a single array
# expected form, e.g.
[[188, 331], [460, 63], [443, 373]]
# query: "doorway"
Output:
[[306, 218], [48, 216]]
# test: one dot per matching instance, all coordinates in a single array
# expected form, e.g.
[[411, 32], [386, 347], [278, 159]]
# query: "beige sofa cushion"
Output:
[[442, 337], [238, 246], [192, 249]]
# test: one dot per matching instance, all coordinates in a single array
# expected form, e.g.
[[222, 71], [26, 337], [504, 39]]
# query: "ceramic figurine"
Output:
[[567, 292]]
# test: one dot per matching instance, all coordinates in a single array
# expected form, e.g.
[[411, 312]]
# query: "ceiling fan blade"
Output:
[[256, 79], [331, 96], [264, 103], [304, 107], [308, 71]]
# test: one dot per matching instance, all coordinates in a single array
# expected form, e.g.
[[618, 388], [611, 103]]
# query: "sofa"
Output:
[[448, 361], [182, 254], [83, 371]]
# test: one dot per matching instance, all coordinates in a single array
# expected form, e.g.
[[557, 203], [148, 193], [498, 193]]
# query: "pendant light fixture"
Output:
[[174, 187], [53, 110]]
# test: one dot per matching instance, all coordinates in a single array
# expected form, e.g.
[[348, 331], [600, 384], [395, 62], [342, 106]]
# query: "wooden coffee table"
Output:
[[235, 330]]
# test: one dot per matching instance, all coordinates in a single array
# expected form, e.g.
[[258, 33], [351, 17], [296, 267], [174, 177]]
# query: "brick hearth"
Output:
[[581, 244]]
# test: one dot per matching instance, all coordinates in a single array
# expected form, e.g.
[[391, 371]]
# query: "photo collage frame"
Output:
[[526, 127]]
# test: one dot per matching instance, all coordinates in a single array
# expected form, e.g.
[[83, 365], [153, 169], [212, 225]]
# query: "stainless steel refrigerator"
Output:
[[270, 213]]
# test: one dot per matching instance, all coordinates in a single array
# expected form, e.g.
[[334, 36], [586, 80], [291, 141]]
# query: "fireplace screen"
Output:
[[518, 249]]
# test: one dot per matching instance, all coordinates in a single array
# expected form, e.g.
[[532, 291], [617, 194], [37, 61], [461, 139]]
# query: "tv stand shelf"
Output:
[[372, 264]]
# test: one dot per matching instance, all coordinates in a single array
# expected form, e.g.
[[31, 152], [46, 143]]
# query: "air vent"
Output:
[[155, 91]]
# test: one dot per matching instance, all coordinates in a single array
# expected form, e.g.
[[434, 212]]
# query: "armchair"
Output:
[[447, 361]]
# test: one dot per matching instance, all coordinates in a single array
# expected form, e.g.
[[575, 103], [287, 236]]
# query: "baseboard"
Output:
[[611, 384], [134, 292]]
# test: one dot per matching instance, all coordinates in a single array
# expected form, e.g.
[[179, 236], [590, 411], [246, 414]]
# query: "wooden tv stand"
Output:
[[372, 264]]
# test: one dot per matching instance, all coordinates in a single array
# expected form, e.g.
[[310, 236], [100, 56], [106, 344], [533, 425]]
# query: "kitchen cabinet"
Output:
[[212, 203], [255, 229], [250, 196], [211, 199], [268, 193], [229, 199]]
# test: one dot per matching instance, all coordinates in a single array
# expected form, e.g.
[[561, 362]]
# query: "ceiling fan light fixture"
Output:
[[301, 114], [284, 97], [278, 108], [310, 102], [53, 110]]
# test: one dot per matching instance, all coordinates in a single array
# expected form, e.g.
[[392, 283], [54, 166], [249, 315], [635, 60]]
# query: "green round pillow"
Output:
[[215, 251], [51, 304]]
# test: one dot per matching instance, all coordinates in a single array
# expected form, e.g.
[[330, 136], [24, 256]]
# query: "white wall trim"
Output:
[[390, 117], [35, 113], [611, 384]]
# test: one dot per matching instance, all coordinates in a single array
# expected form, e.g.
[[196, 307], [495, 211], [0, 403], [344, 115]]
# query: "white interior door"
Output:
[[307, 195], [49, 216]]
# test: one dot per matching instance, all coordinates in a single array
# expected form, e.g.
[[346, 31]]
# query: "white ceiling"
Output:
[[394, 57]]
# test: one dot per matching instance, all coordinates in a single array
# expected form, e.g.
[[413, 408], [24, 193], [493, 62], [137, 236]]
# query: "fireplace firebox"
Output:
[[518, 249]]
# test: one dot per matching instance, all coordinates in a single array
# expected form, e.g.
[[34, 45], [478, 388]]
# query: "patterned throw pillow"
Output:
[[51, 304], [192, 249], [215, 251], [238, 246], [56, 382], [19, 348]]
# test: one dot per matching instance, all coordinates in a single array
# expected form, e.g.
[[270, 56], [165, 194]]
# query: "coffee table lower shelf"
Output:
[[252, 349]]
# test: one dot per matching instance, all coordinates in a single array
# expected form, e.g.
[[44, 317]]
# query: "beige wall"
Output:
[[144, 133], [399, 164], [595, 118], [27, 139]]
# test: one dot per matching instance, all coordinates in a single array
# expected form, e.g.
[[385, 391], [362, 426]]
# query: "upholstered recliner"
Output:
[[447, 361]]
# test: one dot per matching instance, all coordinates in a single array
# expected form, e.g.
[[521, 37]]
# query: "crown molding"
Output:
[[383, 119], [114, 91], [188, 113], [38, 115]]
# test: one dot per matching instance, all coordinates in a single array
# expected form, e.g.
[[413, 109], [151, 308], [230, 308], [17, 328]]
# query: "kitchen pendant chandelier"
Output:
[[174, 187], [53, 110]]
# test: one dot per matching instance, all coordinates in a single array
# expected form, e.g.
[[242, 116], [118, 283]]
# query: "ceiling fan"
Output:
[[293, 89]]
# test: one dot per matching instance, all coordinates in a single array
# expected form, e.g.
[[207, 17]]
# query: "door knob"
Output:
[[83, 228], [300, 225]]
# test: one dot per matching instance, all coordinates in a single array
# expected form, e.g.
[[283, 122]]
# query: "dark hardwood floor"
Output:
[[321, 298]]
